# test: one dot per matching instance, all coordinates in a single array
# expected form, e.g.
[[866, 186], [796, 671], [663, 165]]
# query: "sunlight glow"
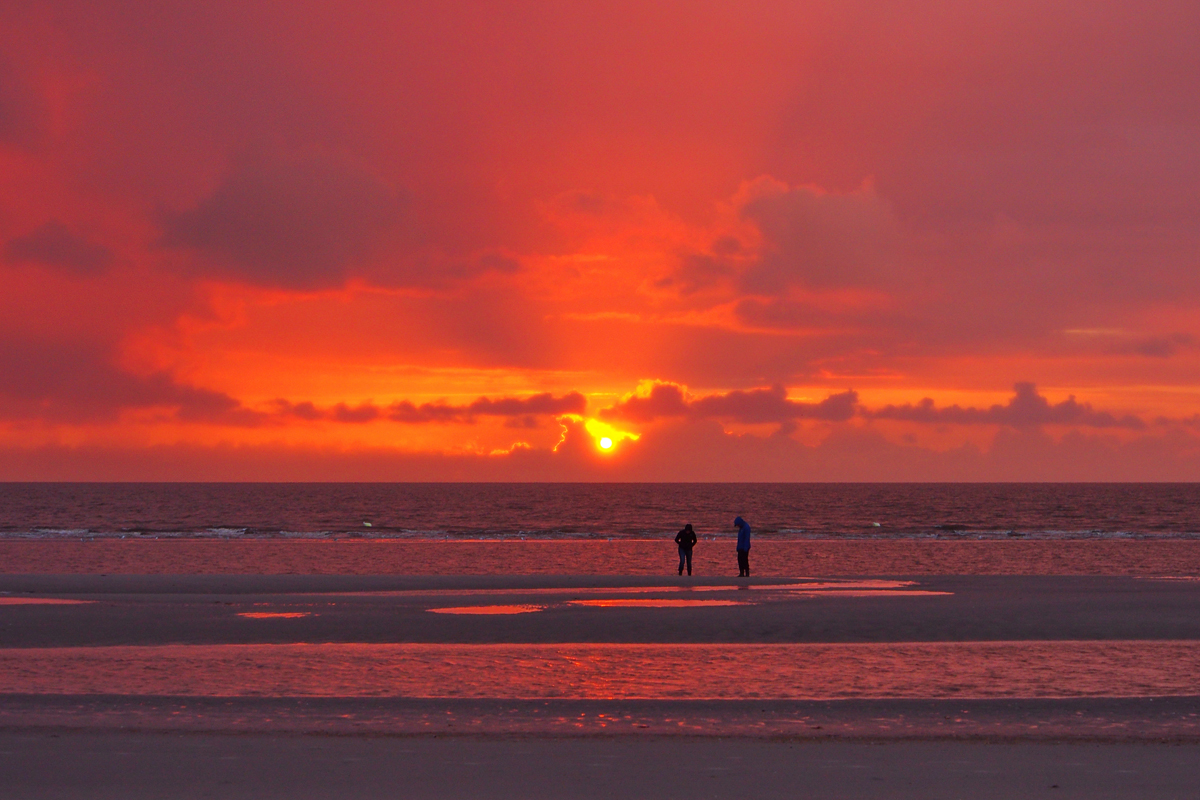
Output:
[[607, 437]]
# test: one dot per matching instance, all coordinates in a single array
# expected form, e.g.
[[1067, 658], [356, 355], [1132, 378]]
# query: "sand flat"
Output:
[[148, 610], [1027, 640], [133, 766], [601, 557]]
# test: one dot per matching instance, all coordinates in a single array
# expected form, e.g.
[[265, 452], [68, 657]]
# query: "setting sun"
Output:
[[607, 436]]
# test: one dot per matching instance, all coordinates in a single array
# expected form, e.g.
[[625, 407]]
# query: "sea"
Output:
[[613, 511]]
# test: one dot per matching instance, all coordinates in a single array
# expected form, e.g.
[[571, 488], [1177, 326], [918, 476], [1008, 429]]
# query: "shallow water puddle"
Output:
[[868, 593], [649, 602], [41, 601], [515, 609], [274, 614], [761, 594]]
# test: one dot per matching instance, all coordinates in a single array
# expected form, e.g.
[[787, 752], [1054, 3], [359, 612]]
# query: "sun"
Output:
[[607, 437]]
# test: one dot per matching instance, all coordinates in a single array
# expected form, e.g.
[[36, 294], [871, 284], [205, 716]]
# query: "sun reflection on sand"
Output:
[[649, 602], [515, 609], [602, 596], [274, 614], [868, 593], [763, 594], [1013, 669]]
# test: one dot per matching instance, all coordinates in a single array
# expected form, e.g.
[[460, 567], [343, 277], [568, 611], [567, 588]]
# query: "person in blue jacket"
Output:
[[743, 547]]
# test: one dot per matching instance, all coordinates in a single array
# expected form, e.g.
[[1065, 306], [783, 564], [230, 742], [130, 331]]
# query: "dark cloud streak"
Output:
[[79, 384], [302, 222], [407, 412], [55, 245], [1027, 409], [667, 400]]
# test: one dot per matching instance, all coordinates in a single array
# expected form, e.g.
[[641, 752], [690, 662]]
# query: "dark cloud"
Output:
[[304, 410], [817, 239], [76, 383], [519, 410], [512, 407], [54, 245], [772, 405], [667, 400], [22, 113], [303, 222], [575, 202], [545, 403], [1027, 409], [410, 413], [438, 269], [788, 314], [1162, 346], [360, 413], [699, 271], [664, 400], [315, 221]]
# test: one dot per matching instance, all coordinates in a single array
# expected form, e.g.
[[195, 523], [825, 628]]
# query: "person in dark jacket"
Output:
[[743, 547], [686, 539]]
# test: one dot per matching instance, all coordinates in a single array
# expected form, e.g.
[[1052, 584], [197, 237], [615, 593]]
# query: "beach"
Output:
[[134, 766], [596, 556], [1078, 667]]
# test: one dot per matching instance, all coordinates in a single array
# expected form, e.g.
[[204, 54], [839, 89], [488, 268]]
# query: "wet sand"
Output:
[[94, 733], [598, 557], [130, 647], [199, 609], [1148, 720], [134, 766]]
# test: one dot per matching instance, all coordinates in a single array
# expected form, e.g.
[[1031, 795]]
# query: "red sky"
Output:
[[467, 241]]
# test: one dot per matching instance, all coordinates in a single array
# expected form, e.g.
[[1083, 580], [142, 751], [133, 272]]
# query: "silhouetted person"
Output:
[[686, 539], [743, 547]]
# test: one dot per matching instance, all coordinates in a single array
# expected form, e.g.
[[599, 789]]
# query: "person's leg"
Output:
[[681, 555], [689, 562], [743, 564]]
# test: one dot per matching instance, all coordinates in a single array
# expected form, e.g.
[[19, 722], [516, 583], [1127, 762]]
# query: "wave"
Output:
[[783, 534]]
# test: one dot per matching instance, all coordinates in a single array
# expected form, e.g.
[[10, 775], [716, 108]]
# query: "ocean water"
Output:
[[598, 511]]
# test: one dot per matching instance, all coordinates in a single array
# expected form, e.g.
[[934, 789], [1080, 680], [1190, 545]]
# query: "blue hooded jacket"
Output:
[[743, 534]]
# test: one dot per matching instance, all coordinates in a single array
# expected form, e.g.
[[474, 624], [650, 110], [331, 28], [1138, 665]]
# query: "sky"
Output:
[[613, 241]]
